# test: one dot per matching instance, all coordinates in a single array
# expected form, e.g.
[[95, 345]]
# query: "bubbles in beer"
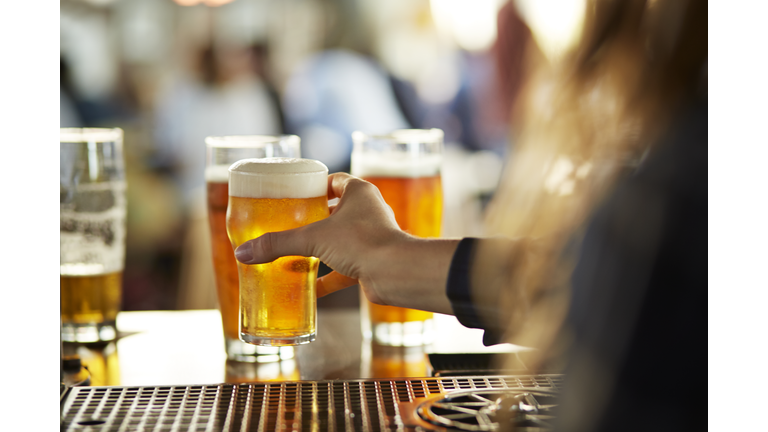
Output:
[[298, 265]]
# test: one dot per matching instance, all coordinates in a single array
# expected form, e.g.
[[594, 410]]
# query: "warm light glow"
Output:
[[212, 3], [555, 24], [559, 179], [472, 24]]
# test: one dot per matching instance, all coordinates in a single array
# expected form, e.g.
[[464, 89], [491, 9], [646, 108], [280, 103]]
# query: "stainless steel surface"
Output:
[[339, 405]]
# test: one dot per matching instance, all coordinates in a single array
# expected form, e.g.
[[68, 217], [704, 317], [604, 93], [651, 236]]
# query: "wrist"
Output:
[[412, 272]]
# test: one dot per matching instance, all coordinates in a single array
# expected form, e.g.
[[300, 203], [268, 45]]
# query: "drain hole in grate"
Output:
[[91, 422]]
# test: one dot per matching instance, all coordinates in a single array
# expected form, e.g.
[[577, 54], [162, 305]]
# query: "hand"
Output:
[[362, 243], [360, 224]]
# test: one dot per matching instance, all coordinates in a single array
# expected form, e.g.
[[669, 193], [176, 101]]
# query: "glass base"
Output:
[[87, 333], [240, 351], [277, 342], [412, 333]]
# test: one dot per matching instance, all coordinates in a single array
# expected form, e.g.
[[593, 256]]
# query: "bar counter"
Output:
[[187, 347]]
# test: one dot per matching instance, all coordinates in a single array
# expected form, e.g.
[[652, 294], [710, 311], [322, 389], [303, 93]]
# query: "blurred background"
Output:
[[171, 72]]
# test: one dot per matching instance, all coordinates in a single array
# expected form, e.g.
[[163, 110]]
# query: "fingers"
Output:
[[333, 282], [338, 183], [272, 246]]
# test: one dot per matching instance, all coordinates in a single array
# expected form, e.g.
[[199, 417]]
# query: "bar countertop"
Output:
[[187, 347]]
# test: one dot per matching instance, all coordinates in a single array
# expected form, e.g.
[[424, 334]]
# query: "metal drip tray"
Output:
[[486, 410], [344, 405]]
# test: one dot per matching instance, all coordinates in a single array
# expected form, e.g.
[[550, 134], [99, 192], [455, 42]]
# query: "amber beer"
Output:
[[92, 298], [405, 166], [278, 304], [382, 361], [417, 203], [224, 263]]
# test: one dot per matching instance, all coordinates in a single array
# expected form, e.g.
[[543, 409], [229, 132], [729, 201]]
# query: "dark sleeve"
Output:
[[459, 293]]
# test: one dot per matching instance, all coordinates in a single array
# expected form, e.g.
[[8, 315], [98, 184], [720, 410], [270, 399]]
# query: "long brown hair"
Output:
[[584, 121]]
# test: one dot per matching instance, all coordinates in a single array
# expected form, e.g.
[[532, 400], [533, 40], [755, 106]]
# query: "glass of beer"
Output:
[[221, 153], [405, 166], [92, 216], [278, 300]]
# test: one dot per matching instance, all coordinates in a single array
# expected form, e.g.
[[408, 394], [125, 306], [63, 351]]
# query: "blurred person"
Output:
[[117, 107], [513, 45], [479, 116], [222, 95], [261, 61], [69, 115], [334, 93], [340, 88], [601, 220]]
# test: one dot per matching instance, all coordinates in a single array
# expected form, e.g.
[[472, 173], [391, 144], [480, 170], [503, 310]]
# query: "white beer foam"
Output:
[[217, 174], [79, 135], [278, 178], [395, 165]]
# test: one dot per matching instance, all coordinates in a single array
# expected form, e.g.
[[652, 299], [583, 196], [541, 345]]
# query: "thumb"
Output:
[[273, 245]]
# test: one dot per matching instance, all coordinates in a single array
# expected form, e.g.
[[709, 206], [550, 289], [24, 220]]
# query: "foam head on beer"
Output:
[[409, 153], [278, 178], [217, 174]]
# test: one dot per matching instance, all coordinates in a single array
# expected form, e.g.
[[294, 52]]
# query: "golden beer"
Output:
[[278, 300], [222, 151], [405, 166], [382, 361], [91, 299]]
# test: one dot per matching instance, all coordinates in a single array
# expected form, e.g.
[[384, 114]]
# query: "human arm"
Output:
[[361, 241]]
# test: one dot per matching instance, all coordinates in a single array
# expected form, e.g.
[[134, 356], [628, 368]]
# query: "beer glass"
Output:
[[405, 166], [278, 300], [92, 217], [221, 153], [383, 361]]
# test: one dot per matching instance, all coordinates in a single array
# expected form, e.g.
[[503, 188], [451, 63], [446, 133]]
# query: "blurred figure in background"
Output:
[[333, 94], [513, 52], [69, 115], [340, 89], [222, 95]]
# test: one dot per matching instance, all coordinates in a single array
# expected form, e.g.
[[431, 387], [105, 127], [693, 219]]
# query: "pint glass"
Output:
[[278, 300], [221, 153], [92, 216], [405, 166]]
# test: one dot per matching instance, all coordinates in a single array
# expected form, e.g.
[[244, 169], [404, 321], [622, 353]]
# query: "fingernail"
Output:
[[244, 253]]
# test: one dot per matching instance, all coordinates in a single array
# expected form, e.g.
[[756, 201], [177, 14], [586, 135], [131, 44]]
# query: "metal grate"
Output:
[[344, 405], [486, 410]]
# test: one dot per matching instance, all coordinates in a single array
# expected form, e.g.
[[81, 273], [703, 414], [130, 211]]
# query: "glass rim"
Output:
[[77, 135], [433, 135], [250, 141]]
